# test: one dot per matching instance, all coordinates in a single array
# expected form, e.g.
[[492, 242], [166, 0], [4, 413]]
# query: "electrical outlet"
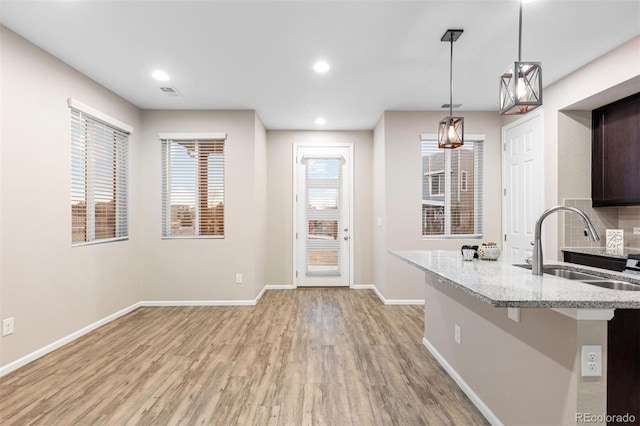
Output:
[[456, 333], [7, 326], [591, 360], [238, 278], [636, 230]]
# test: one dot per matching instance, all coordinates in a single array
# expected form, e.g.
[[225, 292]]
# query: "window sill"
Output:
[[196, 237], [100, 241], [452, 237]]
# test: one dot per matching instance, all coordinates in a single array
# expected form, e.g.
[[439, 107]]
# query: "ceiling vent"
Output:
[[452, 106], [171, 91]]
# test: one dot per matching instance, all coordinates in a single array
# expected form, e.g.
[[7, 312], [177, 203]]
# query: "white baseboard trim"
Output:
[[152, 303], [405, 302], [363, 287], [274, 287], [475, 399], [280, 287], [387, 301], [12, 366]]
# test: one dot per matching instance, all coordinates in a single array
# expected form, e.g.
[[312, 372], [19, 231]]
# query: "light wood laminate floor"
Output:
[[309, 356]]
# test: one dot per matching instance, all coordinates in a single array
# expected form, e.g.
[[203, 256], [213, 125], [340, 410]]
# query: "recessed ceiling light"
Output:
[[160, 75], [320, 121], [321, 67]]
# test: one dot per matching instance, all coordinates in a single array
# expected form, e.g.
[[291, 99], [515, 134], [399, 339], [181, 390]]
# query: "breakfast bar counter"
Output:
[[499, 330], [501, 284]]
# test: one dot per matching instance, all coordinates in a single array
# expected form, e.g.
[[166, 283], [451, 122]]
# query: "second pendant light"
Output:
[[450, 128]]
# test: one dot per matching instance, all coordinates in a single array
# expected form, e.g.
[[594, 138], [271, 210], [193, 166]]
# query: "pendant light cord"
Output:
[[520, 33], [451, 78]]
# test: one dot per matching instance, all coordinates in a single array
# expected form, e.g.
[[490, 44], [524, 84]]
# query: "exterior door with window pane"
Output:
[[323, 216]]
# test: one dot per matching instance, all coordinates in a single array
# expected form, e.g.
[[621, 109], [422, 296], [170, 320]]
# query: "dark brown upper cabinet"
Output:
[[615, 160]]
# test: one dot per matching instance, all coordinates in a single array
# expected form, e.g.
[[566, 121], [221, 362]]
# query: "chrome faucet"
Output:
[[536, 263]]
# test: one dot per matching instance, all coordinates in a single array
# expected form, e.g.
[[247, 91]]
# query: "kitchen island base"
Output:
[[515, 372]]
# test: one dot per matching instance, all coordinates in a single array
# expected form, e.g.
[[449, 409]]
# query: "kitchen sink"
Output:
[[570, 275], [614, 284], [562, 272]]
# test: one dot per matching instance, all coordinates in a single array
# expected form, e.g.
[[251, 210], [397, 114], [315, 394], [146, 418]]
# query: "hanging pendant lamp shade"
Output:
[[521, 83], [451, 132], [450, 128]]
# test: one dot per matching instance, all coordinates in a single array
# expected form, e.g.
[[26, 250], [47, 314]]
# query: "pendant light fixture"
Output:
[[521, 83], [451, 129]]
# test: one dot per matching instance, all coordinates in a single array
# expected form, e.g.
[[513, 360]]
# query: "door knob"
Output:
[[346, 237]]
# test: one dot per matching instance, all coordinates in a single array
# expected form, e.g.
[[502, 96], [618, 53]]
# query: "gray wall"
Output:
[[193, 269], [280, 200], [567, 138], [48, 287], [398, 189]]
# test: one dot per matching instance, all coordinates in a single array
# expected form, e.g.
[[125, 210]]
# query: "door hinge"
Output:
[[504, 191], [505, 237], [296, 235], [296, 274], [504, 147], [296, 198]]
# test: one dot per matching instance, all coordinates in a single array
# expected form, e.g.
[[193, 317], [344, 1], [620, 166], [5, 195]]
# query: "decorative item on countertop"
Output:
[[489, 251], [615, 241], [468, 254], [474, 248]]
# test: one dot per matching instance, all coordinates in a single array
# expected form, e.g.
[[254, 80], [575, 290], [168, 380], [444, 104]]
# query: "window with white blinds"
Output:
[[193, 186], [451, 190], [99, 181]]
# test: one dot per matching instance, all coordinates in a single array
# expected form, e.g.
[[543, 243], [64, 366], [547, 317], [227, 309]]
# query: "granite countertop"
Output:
[[501, 284], [602, 251]]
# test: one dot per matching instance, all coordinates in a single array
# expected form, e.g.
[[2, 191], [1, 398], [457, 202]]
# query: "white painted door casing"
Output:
[[323, 220]]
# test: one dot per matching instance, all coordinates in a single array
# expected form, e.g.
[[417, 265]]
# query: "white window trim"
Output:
[[205, 136], [195, 136], [471, 137], [111, 121]]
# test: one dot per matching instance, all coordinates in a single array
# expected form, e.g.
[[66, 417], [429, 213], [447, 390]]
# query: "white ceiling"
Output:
[[384, 55]]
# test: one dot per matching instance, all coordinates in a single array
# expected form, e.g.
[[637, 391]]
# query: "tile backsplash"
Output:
[[603, 218], [628, 218]]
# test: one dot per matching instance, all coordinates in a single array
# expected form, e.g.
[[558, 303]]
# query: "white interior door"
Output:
[[523, 183], [323, 243]]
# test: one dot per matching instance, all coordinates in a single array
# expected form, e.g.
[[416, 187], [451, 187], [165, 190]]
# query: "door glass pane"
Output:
[[322, 198], [324, 261], [323, 230], [322, 168]]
